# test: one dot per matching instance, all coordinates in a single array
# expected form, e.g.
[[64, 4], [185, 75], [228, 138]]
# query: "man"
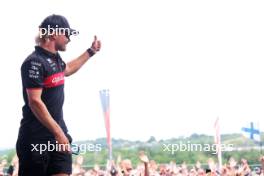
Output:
[[127, 168], [43, 144]]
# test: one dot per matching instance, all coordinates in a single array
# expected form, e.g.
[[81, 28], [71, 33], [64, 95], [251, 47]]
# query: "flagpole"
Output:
[[220, 157], [260, 141], [104, 96], [260, 147], [218, 143]]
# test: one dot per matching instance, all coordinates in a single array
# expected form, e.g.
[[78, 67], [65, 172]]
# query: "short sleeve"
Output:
[[32, 72]]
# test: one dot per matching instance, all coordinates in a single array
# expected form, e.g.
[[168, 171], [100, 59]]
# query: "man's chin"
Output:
[[62, 49]]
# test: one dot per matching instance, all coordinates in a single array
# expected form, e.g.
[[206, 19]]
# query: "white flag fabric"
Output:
[[251, 131], [218, 143]]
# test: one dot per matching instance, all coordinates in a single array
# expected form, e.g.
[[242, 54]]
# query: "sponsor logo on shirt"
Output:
[[54, 80]]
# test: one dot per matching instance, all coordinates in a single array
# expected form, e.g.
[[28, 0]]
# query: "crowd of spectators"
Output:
[[124, 167]]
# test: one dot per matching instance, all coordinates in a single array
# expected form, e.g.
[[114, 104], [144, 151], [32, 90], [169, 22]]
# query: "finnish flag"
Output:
[[252, 131]]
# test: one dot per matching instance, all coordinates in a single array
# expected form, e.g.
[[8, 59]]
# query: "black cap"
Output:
[[57, 22]]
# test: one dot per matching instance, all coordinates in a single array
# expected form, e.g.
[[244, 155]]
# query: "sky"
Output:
[[172, 67]]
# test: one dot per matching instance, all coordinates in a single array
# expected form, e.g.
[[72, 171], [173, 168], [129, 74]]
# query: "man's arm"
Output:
[[41, 112], [74, 65], [145, 160]]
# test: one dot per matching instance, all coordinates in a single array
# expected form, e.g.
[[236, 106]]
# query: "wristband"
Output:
[[90, 52]]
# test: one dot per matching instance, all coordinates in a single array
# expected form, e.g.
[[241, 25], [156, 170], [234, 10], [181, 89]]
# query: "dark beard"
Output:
[[60, 47]]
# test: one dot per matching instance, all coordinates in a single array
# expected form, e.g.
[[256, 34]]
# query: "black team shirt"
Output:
[[43, 69]]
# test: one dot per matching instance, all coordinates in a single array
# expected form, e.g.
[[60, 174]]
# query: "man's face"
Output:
[[127, 167], [61, 41]]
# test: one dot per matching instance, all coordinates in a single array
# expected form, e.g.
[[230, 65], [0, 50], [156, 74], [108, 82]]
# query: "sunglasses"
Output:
[[67, 35]]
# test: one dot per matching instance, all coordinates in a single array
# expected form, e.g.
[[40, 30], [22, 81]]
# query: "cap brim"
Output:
[[74, 32]]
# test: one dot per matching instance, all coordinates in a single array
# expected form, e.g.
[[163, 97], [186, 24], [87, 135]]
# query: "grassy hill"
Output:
[[197, 147]]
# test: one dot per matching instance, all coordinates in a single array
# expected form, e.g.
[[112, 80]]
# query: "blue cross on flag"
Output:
[[252, 132]]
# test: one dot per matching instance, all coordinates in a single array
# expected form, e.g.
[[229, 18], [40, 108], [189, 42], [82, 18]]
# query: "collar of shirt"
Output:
[[46, 52]]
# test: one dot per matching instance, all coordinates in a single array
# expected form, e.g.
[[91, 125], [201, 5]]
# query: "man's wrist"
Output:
[[91, 52]]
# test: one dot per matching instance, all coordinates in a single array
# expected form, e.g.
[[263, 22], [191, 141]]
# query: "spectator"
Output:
[[77, 167], [13, 168]]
